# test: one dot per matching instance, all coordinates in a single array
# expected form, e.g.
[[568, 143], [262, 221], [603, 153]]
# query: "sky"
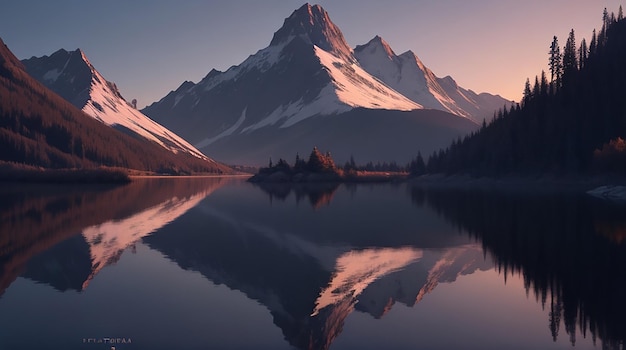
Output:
[[150, 47]]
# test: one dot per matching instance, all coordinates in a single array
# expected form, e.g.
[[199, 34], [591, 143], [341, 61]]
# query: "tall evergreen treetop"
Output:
[[583, 51], [555, 63], [555, 132], [570, 61]]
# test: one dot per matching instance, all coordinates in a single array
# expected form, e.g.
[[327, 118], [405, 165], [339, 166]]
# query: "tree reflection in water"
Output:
[[568, 248], [319, 194]]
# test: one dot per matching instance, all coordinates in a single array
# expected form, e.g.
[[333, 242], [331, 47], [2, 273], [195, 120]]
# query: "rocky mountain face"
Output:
[[309, 88], [407, 74], [41, 129], [73, 77]]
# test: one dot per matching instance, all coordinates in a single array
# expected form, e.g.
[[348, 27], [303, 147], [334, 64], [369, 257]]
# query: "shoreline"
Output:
[[328, 177], [540, 183], [512, 184], [11, 173], [19, 173], [64, 176], [141, 177]]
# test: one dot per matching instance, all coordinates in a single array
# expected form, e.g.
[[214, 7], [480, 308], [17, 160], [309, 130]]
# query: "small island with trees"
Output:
[[322, 168]]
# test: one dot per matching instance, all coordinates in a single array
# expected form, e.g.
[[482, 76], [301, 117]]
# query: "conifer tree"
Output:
[[300, 164], [319, 162], [570, 61], [417, 166], [606, 21], [544, 83], [593, 44], [536, 89], [582, 54], [527, 92], [556, 64]]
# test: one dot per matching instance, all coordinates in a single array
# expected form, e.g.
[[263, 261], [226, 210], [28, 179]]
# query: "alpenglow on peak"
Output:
[[377, 43], [312, 23]]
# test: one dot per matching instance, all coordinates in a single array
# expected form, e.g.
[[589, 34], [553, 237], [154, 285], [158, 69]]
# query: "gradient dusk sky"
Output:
[[149, 47]]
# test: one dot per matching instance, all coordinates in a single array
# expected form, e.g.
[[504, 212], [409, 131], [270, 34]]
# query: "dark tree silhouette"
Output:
[[555, 63], [558, 125], [39, 128], [570, 60]]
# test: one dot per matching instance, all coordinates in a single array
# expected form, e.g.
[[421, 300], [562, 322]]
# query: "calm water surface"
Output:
[[223, 264]]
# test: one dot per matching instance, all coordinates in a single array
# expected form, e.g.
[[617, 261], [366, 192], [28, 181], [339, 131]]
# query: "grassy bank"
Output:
[[10, 172]]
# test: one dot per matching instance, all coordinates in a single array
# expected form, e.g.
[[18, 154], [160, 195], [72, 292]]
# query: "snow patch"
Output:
[[262, 60], [326, 103], [177, 99], [52, 75], [224, 133], [356, 270], [114, 110], [357, 88], [107, 240], [609, 192], [350, 87], [408, 75]]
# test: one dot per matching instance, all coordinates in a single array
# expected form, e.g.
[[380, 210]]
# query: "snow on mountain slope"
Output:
[[412, 283], [350, 87], [313, 25], [108, 240], [357, 88], [308, 89], [407, 74], [71, 75], [307, 71], [356, 270]]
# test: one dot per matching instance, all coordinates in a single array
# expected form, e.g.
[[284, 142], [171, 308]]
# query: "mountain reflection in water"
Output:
[[312, 267], [363, 248], [64, 235]]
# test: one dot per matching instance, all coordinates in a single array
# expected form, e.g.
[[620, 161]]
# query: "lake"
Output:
[[219, 263]]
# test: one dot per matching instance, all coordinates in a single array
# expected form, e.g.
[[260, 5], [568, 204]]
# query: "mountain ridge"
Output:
[[309, 74], [71, 75], [39, 128], [407, 74], [313, 23]]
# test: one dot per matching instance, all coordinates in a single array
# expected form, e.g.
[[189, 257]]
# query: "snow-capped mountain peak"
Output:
[[357, 88], [71, 75], [407, 74], [312, 23], [309, 88], [377, 44]]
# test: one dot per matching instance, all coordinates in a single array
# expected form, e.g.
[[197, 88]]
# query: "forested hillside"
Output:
[[572, 120], [39, 128]]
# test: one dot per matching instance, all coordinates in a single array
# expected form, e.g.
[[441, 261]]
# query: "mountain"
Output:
[[67, 246], [39, 128], [305, 89], [407, 74], [104, 241], [312, 278], [73, 77]]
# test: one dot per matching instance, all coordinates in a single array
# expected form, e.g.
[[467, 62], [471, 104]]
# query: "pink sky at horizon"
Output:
[[149, 48]]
